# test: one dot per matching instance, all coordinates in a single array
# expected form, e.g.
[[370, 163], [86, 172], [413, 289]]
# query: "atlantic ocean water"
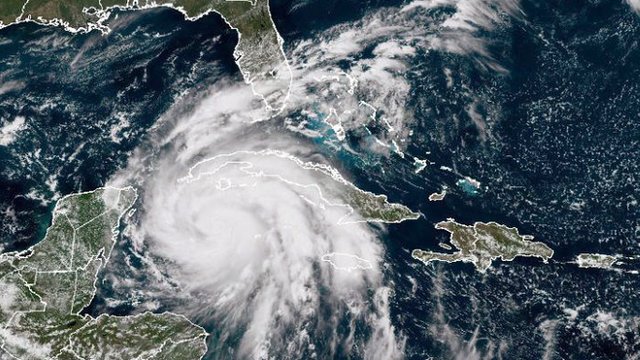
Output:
[[540, 107]]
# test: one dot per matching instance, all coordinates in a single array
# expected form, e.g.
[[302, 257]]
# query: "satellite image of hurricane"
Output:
[[304, 179]]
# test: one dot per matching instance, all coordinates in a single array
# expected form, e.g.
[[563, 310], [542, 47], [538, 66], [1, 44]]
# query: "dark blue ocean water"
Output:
[[560, 162], [74, 90], [559, 159]]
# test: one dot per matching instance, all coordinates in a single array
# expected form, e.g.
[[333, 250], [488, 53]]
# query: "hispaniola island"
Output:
[[304, 179]]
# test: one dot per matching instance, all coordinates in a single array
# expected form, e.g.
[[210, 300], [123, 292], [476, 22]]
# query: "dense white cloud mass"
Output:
[[243, 233], [256, 240], [635, 5], [251, 244]]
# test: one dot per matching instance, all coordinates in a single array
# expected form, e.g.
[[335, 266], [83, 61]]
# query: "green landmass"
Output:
[[377, 208], [250, 17], [364, 206], [10, 10], [438, 196], [599, 261], [483, 243], [258, 53], [44, 289]]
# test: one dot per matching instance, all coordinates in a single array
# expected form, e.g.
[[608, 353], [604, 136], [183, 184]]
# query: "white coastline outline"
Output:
[[328, 257], [325, 169], [134, 5], [474, 259], [99, 256]]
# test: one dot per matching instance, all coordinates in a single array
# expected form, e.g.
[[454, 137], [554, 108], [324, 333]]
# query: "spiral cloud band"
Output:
[[261, 238]]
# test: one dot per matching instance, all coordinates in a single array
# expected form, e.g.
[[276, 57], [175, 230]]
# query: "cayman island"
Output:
[[482, 243], [44, 289], [259, 53]]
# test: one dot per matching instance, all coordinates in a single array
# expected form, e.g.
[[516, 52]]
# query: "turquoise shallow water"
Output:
[[559, 161]]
